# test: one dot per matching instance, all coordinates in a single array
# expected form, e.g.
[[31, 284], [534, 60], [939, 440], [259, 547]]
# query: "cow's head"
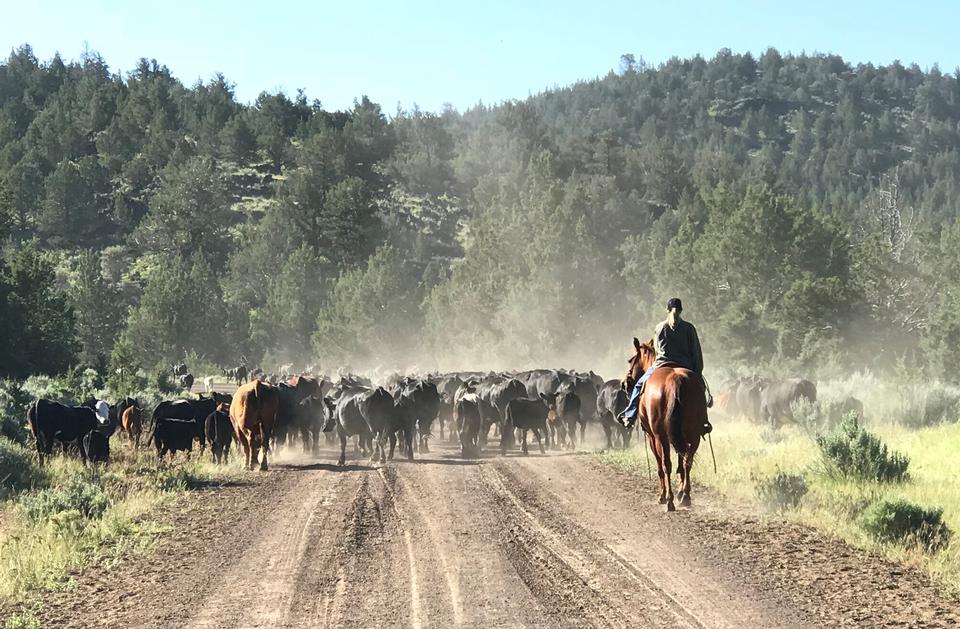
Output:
[[550, 399], [331, 408]]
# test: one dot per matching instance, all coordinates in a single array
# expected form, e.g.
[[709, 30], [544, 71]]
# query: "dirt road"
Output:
[[538, 541]]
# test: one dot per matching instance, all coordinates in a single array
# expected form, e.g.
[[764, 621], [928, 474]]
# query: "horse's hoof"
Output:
[[671, 507], [685, 501], [663, 500]]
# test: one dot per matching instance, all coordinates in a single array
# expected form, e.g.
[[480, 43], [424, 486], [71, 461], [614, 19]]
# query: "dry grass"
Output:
[[37, 554], [746, 452]]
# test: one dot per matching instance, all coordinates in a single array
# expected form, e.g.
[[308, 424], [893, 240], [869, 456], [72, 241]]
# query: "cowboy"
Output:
[[676, 343]]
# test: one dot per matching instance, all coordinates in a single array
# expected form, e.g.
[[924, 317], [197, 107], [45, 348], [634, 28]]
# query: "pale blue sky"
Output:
[[430, 53]]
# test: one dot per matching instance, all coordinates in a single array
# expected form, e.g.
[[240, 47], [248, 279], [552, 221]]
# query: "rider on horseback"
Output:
[[676, 343]]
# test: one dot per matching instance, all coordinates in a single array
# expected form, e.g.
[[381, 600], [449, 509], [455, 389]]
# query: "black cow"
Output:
[[526, 414], [51, 421], [420, 400], [587, 389], [293, 416], [96, 446], [364, 413], [611, 401], [777, 397], [466, 413], [539, 381], [309, 419], [218, 398], [180, 369], [494, 394], [171, 435], [186, 410], [747, 394], [186, 381], [219, 434], [237, 374], [447, 388], [379, 411], [568, 413]]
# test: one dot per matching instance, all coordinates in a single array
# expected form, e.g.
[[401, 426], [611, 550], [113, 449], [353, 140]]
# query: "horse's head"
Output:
[[641, 360]]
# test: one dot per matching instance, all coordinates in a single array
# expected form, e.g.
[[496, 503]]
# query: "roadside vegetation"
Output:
[[885, 484], [66, 515]]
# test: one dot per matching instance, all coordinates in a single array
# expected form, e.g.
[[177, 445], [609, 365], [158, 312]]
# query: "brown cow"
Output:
[[130, 422], [253, 413]]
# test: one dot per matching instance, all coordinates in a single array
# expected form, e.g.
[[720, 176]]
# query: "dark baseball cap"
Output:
[[675, 303]]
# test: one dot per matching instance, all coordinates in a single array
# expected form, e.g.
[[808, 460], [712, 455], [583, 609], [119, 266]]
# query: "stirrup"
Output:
[[707, 428]]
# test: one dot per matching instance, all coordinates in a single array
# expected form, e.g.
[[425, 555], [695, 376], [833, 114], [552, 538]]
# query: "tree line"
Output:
[[804, 207]]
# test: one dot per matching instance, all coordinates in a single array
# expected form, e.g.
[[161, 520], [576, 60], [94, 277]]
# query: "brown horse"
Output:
[[673, 410]]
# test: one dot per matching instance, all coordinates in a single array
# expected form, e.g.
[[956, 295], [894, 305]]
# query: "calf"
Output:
[[219, 433], [186, 381], [171, 435], [526, 414], [132, 425], [253, 414], [208, 384], [96, 446], [611, 402]]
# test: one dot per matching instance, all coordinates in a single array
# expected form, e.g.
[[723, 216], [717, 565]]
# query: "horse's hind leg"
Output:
[[687, 467], [664, 447], [682, 472], [652, 444]]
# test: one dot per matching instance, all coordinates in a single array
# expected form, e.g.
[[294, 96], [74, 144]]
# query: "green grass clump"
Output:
[[18, 470], [782, 491], [79, 495], [904, 522], [24, 620], [852, 452], [86, 516]]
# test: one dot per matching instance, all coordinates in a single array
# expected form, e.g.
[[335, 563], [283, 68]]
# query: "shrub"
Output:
[[902, 522], [72, 387], [14, 402], [18, 471], [853, 452], [781, 491], [813, 417], [26, 619], [163, 381], [78, 496], [929, 404]]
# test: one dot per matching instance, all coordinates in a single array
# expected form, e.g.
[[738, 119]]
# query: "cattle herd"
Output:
[[469, 407]]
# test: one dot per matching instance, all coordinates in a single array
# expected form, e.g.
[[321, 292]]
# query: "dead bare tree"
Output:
[[888, 219]]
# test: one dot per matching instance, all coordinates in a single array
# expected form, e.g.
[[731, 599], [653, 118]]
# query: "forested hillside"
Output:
[[803, 207]]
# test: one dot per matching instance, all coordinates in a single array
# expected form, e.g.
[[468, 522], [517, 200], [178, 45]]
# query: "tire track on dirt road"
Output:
[[573, 572], [533, 542], [257, 590], [651, 572]]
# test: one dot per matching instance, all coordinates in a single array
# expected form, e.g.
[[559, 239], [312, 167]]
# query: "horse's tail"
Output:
[[674, 416]]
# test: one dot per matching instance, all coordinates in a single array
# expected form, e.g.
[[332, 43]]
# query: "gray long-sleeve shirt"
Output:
[[679, 345]]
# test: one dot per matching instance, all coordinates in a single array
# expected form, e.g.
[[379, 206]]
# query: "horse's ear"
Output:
[[636, 343]]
